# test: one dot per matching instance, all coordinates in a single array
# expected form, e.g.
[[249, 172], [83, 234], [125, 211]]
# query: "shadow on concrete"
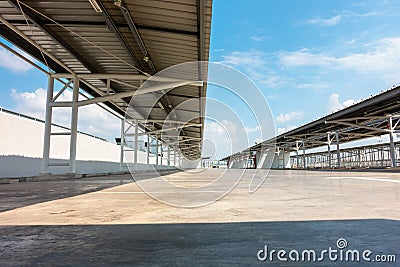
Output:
[[16, 195], [208, 244]]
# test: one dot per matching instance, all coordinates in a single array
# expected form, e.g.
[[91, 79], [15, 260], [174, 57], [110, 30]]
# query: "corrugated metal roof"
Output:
[[76, 38], [373, 112]]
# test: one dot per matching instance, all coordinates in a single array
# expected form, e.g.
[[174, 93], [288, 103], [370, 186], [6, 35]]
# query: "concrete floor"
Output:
[[122, 225]]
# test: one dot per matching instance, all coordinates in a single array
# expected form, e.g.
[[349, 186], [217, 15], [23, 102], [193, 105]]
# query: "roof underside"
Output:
[[140, 37]]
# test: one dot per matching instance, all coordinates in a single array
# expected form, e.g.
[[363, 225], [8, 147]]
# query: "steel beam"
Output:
[[46, 29], [131, 24], [135, 155], [148, 150], [337, 149], [304, 156], [156, 151], [168, 155], [121, 156], [105, 98], [358, 126], [392, 149], [329, 151], [33, 43], [102, 76], [74, 126], [112, 26], [47, 126]]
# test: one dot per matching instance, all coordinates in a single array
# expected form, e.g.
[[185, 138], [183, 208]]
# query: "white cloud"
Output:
[[305, 58], [334, 103], [325, 22], [92, 119], [228, 137], [251, 58], [258, 38], [295, 115], [313, 85], [346, 15], [382, 56], [13, 63], [286, 129], [255, 64], [249, 130], [223, 137], [267, 78], [30, 103]]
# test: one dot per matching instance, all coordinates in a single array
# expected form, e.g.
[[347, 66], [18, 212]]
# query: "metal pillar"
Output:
[[135, 155], [297, 154], [161, 156], [304, 157], [121, 156], [47, 127], [148, 150], [74, 126], [329, 151], [337, 149], [174, 158], [156, 151], [392, 149], [168, 155]]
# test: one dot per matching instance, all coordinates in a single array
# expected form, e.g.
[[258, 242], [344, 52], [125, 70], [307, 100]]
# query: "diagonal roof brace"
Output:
[[113, 27], [135, 32]]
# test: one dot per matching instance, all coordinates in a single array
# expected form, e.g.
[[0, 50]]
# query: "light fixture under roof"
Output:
[[161, 105], [95, 6], [118, 3]]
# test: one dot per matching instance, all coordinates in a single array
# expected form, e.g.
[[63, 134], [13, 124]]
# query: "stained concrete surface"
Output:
[[122, 225], [216, 244], [16, 195]]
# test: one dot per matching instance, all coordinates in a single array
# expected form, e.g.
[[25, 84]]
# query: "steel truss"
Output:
[[372, 156], [74, 81]]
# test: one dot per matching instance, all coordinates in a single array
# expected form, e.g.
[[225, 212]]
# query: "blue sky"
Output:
[[308, 58]]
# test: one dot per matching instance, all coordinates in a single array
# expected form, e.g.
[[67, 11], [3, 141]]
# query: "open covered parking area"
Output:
[[293, 209]]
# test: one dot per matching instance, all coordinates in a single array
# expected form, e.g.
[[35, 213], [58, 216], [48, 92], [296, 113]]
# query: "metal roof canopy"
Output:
[[97, 38], [375, 116]]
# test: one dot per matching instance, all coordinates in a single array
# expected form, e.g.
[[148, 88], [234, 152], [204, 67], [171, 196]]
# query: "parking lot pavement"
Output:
[[16, 195]]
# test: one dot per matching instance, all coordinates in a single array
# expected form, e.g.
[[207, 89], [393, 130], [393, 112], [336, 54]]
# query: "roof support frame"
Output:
[[136, 35], [113, 27], [46, 29]]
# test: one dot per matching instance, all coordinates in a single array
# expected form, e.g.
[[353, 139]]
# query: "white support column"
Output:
[[168, 155], [47, 127], [304, 156], [121, 156], [136, 147], [148, 150], [161, 154], [329, 151], [74, 126], [156, 150], [174, 158], [337, 149], [297, 155], [392, 149]]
